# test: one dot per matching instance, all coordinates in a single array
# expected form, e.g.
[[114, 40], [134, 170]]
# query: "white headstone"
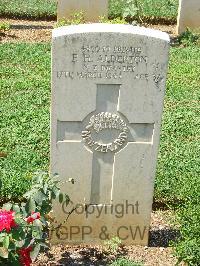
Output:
[[108, 86], [188, 15], [92, 9]]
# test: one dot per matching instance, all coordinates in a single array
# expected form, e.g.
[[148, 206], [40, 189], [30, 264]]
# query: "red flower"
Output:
[[34, 216], [24, 256], [7, 220]]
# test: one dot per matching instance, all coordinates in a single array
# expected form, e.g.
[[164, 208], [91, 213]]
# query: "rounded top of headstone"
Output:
[[109, 28]]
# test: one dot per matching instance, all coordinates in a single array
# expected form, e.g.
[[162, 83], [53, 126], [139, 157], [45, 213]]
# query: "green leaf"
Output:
[[39, 177], [39, 197], [7, 206], [20, 243], [56, 191], [14, 258], [42, 244], [3, 234], [45, 188], [1, 239], [30, 193], [37, 223], [6, 241], [3, 252], [30, 206], [61, 197], [16, 208], [19, 219], [37, 233], [23, 210], [12, 246], [18, 234], [35, 252], [43, 220], [53, 193], [28, 241]]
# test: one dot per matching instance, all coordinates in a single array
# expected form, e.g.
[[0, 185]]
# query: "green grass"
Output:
[[24, 107], [178, 169], [178, 166], [24, 132], [125, 262], [24, 114], [47, 8], [187, 248], [28, 8]]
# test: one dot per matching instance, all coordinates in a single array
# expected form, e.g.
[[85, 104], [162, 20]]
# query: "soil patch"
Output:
[[27, 31], [40, 31], [158, 252]]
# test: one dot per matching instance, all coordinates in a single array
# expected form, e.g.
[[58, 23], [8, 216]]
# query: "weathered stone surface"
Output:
[[188, 15], [108, 86], [92, 9]]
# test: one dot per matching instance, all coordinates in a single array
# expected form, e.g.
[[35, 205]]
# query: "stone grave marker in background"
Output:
[[108, 86], [188, 15], [92, 9]]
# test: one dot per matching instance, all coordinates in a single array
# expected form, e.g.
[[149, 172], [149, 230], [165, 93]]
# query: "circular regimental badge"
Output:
[[100, 122]]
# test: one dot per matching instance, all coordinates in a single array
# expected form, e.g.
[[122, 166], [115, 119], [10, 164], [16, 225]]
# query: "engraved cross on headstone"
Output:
[[104, 133]]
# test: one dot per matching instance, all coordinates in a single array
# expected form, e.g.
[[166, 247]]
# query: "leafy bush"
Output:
[[148, 9], [76, 18], [112, 245], [132, 10], [113, 21], [189, 37], [4, 26], [23, 226]]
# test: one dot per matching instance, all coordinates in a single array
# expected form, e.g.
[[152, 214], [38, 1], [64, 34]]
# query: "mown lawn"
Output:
[[47, 8], [28, 8], [24, 120], [24, 114], [24, 132], [179, 163]]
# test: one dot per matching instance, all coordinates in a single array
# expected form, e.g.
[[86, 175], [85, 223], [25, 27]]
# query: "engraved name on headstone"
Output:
[[108, 86]]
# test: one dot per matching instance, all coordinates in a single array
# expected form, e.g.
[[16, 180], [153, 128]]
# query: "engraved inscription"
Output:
[[100, 122], [106, 62], [105, 133]]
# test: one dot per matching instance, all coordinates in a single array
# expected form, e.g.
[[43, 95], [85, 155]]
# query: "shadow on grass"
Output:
[[31, 27], [88, 256], [3, 35], [163, 237]]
